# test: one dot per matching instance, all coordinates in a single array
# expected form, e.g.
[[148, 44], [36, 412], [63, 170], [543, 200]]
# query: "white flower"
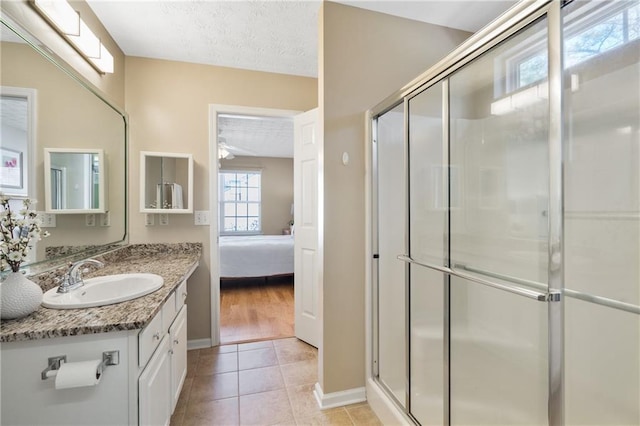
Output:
[[17, 233], [15, 256]]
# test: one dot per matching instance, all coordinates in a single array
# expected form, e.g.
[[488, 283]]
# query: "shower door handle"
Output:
[[530, 294]]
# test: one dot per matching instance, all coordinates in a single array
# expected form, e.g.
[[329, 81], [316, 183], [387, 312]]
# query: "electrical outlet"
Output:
[[201, 217], [150, 219], [105, 219], [163, 219], [90, 219], [48, 220]]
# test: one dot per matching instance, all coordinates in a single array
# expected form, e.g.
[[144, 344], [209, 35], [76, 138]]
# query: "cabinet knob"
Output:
[[176, 342], [184, 295], [156, 335], [170, 351]]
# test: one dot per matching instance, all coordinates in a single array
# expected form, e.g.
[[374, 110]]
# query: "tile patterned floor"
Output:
[[259, 383]]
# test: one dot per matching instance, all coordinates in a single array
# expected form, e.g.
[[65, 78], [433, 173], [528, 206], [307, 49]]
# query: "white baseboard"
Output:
[[384, 408], [338, 399], [198, 344]]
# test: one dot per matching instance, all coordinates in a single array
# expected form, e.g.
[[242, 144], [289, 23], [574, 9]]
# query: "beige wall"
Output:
[[111, 84], [364, 57], [277, 188], [168, 107]]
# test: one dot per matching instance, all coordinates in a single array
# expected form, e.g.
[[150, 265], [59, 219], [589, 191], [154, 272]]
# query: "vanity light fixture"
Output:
[[68, 23], [60, 14]]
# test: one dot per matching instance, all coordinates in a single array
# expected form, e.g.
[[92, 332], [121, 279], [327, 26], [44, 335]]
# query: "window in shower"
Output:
[[593, 29]]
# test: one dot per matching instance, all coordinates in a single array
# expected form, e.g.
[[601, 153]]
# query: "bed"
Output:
[[256, 256]]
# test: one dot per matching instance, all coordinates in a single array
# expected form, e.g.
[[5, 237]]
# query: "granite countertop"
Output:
[[173, 262]]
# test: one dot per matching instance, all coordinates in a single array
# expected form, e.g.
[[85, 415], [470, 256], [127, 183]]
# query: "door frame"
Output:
[[214, 111]]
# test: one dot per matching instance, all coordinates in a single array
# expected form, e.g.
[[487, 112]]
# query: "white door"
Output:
[[308, 259]]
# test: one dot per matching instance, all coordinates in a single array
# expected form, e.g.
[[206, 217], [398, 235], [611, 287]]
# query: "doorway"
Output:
[[251, 199]]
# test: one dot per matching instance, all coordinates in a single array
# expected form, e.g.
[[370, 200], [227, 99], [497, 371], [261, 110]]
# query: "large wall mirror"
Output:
[[45, 104]]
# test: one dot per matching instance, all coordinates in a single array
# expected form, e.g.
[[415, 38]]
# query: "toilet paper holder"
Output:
[[55, 362]]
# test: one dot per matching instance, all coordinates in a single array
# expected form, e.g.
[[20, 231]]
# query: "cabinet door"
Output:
[[154, 398], [178, 333]]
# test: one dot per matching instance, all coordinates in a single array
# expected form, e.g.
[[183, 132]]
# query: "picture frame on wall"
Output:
[[11, 171]]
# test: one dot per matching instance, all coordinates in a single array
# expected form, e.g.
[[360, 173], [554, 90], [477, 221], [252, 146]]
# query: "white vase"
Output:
[[19, 296]]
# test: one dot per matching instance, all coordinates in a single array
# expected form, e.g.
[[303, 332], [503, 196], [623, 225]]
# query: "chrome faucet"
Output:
[[73, 278]]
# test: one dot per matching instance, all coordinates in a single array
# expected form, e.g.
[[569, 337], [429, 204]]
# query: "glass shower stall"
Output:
[[506, 233]]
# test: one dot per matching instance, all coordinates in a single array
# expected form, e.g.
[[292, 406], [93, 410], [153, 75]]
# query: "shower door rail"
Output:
[[603, 301], [530, 294]]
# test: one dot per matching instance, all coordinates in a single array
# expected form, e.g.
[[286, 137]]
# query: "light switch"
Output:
[[48, 220]]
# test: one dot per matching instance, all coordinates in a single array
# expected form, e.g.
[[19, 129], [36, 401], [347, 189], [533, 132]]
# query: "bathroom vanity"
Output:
[[149, 334]]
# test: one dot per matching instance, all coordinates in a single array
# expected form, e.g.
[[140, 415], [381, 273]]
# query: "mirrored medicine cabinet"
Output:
[[75, 181], [166, 182]]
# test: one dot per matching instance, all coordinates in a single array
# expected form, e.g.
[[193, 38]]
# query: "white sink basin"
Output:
[[100, 291]]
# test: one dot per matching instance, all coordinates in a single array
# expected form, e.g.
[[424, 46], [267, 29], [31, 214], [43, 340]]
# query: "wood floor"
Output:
[[256, 309]]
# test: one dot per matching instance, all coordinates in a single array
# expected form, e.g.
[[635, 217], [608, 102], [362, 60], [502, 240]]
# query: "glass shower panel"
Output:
[[428, 177], [392, 370], [499, 120], [498, 357], [602, 365], [602, 151], [601, 50], [427, 345]]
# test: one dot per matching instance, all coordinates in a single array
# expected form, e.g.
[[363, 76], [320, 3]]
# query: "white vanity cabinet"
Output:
[[143, 388], [163, 375]]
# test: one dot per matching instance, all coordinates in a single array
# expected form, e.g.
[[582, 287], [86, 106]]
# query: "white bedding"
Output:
[[256, 256]]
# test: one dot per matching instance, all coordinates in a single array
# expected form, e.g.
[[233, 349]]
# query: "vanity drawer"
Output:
[[149, 338], [181, 295], [169, 312]]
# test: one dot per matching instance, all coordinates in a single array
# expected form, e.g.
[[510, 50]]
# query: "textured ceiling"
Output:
[[273, 36], [256, 136]]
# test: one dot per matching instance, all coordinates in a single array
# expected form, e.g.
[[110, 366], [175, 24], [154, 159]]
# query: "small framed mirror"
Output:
[[74, 180], [166, 182]]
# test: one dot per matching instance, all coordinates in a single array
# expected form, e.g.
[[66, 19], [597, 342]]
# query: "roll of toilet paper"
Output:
[[78, 374]]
